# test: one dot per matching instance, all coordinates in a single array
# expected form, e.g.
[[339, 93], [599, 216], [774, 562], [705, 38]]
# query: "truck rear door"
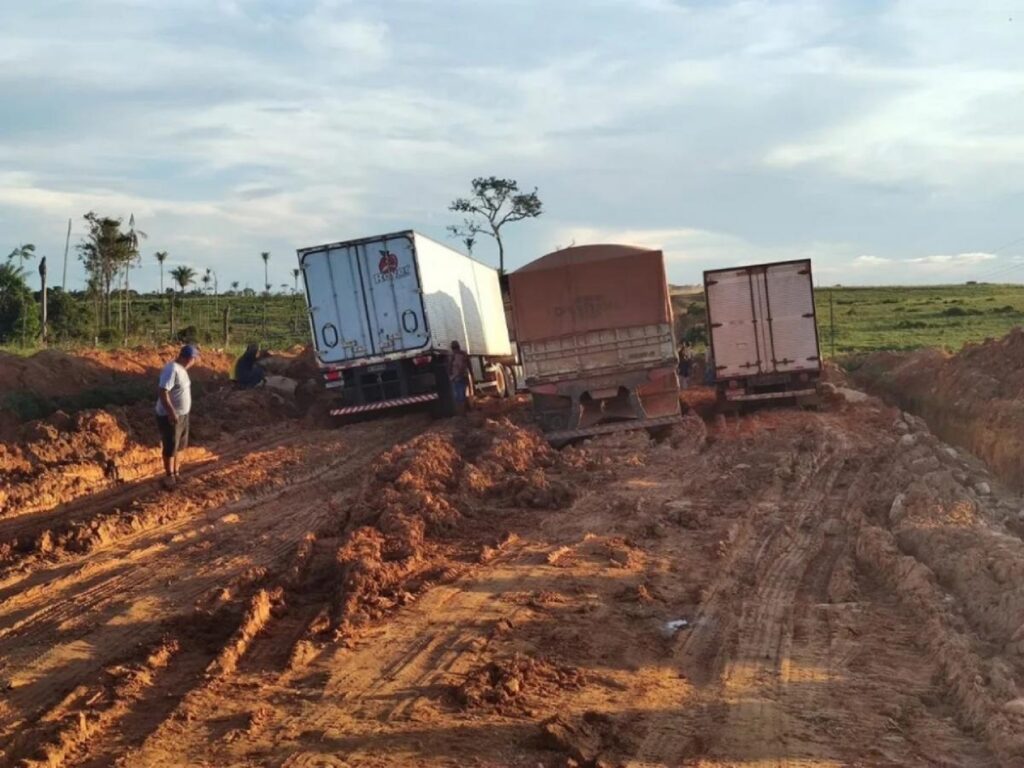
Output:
[[733, 301], [364, 299], [794, 333]]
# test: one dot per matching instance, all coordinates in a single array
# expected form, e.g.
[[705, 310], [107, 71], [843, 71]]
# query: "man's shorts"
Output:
[[459, 389], [173, 437]]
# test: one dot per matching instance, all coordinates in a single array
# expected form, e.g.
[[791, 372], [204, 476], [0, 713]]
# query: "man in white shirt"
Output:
[[173, 404]]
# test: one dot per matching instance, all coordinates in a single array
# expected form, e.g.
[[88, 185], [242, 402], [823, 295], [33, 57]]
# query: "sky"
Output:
[[884, 140]]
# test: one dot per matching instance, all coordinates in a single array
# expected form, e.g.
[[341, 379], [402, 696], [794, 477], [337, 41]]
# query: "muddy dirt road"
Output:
[[787, 588]]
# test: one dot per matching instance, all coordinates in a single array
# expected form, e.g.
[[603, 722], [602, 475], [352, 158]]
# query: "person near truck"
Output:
[[247, 373], [173, 404], [685, 364], [458, 375]]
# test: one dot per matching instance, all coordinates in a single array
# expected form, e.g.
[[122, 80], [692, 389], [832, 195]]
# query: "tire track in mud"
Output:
[[768, 663], [268, 539]]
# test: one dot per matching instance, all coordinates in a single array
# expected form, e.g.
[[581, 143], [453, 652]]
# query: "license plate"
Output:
[[379, 368]]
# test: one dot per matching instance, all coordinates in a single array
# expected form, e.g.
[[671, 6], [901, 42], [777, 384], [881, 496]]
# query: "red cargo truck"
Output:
[[594, 328]]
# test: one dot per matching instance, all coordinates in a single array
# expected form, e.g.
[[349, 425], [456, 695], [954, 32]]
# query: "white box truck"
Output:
[[383, 312], [762, 332]]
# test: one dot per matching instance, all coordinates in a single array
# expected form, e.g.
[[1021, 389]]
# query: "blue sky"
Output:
[[883, 139]]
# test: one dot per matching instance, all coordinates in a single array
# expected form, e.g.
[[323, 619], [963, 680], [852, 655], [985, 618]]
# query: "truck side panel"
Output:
[[463, 301]]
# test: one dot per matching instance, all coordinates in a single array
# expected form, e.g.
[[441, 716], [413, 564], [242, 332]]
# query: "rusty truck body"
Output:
[[593, 326], [762, 332]]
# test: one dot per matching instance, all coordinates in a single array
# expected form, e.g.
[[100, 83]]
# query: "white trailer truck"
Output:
[[383, 312], [762, 332]]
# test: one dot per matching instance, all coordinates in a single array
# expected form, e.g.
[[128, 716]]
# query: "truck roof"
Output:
[[389, 236], [580, 254]]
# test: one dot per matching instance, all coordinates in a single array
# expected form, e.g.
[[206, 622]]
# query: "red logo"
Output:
[[388, 263]]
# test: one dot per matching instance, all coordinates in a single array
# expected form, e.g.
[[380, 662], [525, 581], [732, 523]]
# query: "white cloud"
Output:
[[963, 259]]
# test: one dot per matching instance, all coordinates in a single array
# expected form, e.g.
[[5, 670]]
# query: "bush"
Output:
[[959, 312], [696, 335]]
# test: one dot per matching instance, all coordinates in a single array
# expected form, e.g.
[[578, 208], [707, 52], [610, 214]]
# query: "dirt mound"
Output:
[[404, 522], [513, 686], [63, 457], [56, 373], [974, 398], [55, 460]]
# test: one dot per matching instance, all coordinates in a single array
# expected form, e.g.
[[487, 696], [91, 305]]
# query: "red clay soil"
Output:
[[974, 398], [785, 588]]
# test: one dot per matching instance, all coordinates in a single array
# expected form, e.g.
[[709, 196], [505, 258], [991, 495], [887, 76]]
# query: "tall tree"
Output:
[[104, 252], [161, 256], [234, 286], [295, 274], [494, 202]]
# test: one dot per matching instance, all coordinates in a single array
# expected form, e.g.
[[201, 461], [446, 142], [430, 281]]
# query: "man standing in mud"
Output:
[[458, 375], [173, 404]]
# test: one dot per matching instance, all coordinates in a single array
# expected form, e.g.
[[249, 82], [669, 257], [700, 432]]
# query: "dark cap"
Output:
[[189, 352]]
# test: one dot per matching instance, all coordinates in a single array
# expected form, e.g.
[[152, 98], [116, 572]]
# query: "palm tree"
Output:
[[161, 256], [183, 276], [206, 280], [234, 286], [132, 238], [265, 255], [22, 252], [295, 273]]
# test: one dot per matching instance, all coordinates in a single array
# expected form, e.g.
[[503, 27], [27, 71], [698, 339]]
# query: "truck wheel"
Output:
[[510, 381]]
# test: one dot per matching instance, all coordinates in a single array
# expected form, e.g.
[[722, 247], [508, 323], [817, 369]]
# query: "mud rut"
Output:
[[815, 638]]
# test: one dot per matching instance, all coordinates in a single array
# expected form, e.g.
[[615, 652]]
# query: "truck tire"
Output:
[[510, 381]]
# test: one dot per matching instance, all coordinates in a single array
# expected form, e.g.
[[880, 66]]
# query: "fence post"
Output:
[[832, 324], [227, 313]]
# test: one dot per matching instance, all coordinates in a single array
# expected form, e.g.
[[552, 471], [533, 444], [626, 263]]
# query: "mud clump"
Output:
[[515, 686], [594, 740], [409, 528]]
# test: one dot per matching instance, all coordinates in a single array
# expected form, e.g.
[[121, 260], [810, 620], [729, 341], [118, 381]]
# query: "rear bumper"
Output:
[[381, 405], [741, 396], [627, 400]]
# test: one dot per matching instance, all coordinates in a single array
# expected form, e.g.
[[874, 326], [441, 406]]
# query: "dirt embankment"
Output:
[[79, 450], [974, 398], [53, 461]]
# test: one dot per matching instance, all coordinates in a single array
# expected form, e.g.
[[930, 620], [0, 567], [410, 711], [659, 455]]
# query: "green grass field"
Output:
[[900, 317], [865, 319]]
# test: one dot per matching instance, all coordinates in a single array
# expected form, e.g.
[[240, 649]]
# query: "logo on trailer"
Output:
[[388, 269], [388, 263]]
